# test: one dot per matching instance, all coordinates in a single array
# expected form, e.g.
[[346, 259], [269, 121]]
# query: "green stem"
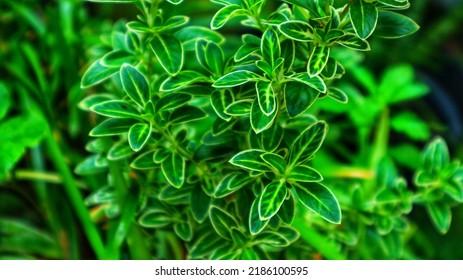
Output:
[[381, 139], [75, 196]]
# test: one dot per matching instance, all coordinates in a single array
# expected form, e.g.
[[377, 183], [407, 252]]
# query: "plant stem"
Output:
[[75, 196], [381, 139]]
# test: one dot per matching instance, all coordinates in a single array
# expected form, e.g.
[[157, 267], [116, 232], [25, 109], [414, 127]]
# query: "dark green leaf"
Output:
[[94, 99], [318, 60], [276, 161], [313, 82], [144, 161], [190, 34], [305, 173], [319, 199], [200, 203], [338, 95], [91, 165], [117, 58], [287, 210], [138, 135], [225, 14], [260, 121], [184, 231], [250, 159], [135, 84], [271, 138], [353, 42], [239, 108], [220, 100], [441, 216], [169, 52], [363, 17], [436, 156], [172, 101], [308, 142], [236, 78], [112, 127], [155, 218], [173, 168], [174, 22], [394, 25], [214, 58], [271, 199], [96, 74], [222, 221], [270, 47], [299, 97], [186, 114], [119, 150], [182, 79], [231, 183], [116, 109], [256, 225]]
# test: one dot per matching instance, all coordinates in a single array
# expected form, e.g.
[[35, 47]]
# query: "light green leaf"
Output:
[[186, 114], [174, 22], [173, 168], [96, 74], [441, 216], [319, 199], [225, 14], [411, 125], [239, 108], [236, 78], [251, 160], [116, 109], [231, 183], [313, 82], [112, 127], [318, 60], [271, 199], [299, 97], [169, 52], [182, 79], [135, 84], [256, 225], [190, 34], [266, 97], [393, 25], [260, 121], [363, 16], [297, 30], [308, 142], [155, 218], [222, 222], [276, 161], [270, 47], [138, 135], [436, 156], [305, 173]]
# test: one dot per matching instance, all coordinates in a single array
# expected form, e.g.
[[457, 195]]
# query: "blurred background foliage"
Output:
[[46, 45]]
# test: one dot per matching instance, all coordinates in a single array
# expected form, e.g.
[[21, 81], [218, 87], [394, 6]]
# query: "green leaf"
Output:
[[116, 109], [190, 34], [395, 4], [297, 30], [91, 165], [199, 204], [220, 100], [441, 216], [319, 199], [94, 99], [271, 199], [169, 52], [155, 218], [112, 127], [172, 101], [173, 168], [411, 125], [299, 97], [184, 231], [266, 97], [271, 138], [308, 142], [206, 245], [174, 22], [239, 108], [182, 79], [135, 84], [305, 173], [393, 25], [270, 47], [117, 58], [236, 78], [222, 222], [175, 2], [338, 95], [231, 183], [225, 14], [276, 161], [6, 100], [176, 196], [287, 210], [353, 42], [260, 121], [186, 114], [138, 135], [265, 67], [238, 237], [256, 225], [313, 82], [251, 160], [119, 151], [363, 17], [317, 61], [96, 74], [214, 58], [144, 161], [220, 126], [436, 156]]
